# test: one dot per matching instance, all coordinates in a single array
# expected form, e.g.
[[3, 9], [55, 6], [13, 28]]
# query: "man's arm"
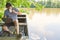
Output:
[[16, 11]]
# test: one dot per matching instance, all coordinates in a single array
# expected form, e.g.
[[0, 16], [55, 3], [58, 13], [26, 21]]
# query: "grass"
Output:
[[8, 38]]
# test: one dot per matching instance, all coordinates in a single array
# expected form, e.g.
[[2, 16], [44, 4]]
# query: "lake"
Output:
[[44, 25]]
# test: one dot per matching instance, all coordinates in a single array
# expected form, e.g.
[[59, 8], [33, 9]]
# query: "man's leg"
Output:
[[19, 35], [16, 27], [5, 28]]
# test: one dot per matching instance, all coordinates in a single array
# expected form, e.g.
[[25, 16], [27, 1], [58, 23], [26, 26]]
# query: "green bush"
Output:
[[1, 14]]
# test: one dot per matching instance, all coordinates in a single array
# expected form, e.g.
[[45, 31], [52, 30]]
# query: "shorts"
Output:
[[9, 24]]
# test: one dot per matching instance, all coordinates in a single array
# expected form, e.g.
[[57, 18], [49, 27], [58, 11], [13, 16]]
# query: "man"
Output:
[[11, 18]]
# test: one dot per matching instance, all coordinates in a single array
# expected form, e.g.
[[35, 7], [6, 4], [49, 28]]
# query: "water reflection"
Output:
[[43, 27]]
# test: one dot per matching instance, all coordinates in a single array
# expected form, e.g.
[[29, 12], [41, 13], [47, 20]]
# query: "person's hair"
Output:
[[8, 4]]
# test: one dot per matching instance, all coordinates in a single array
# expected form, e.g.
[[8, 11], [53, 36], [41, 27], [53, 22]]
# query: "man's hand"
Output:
[[13, 11], [10, 10]]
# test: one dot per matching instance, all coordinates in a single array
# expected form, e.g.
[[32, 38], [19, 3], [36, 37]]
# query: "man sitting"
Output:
[[11, 18]]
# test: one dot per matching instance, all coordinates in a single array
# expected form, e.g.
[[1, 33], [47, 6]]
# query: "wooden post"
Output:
[[22, 22]]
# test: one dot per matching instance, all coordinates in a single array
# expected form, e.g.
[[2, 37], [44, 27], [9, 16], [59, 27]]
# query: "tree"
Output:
[[20, 4]]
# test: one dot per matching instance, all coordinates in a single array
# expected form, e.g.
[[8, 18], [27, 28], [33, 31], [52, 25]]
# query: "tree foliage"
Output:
[[19, 4], [50, 4]]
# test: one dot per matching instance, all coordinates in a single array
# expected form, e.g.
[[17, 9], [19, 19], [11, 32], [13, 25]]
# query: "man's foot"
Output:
[[19, 36], [6, 33]]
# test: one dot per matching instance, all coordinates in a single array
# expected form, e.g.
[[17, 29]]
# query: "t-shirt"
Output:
[[13, 16]]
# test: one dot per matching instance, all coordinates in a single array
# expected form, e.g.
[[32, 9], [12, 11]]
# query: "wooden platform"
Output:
[[12, 38], [22, 28]]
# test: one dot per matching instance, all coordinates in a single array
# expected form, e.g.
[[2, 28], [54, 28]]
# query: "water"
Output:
[[0, 28], [44, 27]]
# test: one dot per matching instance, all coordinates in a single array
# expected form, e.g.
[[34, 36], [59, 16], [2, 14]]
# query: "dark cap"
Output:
[[8, 4]]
